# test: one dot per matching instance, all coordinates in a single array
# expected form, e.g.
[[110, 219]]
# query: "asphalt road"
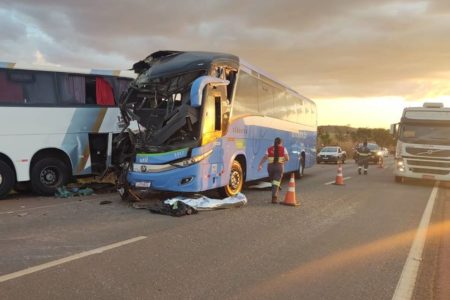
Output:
[[343, 242]]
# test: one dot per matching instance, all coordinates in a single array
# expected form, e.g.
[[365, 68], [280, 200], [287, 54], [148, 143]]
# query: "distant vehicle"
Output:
[[56, 123], [423, 143], [333, 154], [375, 152], [206, 119]]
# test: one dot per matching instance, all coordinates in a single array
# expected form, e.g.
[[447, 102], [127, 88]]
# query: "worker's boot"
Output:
[[359, 171], [365, 172], [274, 200]]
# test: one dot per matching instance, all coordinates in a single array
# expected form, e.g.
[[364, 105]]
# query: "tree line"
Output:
[[347, 137]]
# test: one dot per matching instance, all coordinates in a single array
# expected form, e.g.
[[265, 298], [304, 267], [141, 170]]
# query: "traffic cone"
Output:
[[289, 198], [339, 176]]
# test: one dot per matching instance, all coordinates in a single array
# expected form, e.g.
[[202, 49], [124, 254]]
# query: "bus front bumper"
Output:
[[186, 179]]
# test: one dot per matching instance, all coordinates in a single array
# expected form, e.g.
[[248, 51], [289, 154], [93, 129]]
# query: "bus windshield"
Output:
[[425, 134], [161, 107]]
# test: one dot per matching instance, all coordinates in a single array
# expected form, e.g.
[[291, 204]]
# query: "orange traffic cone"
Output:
[[339, 176], [289, 199]]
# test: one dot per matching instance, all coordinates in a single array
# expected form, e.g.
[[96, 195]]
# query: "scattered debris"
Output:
[[22, 214], [105, 202], [174, 209], [261, 185], [205, 203], [63, 192]]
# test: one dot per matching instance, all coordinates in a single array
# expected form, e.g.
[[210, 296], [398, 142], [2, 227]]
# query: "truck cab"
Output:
[[423, 143]]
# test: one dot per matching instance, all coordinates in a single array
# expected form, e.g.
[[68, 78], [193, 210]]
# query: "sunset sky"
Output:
[[361, 61]]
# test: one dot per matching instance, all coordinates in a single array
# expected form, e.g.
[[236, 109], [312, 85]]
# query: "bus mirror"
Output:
[[199, 84]]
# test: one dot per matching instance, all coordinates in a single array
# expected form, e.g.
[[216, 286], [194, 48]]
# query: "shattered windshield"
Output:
[[161, 92], [161, 106], [425, 134]]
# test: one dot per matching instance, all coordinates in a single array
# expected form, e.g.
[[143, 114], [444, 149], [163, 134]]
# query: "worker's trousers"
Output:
[[275, 171]]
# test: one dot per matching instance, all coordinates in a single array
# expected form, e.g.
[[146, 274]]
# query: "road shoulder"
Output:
[[434, 275]]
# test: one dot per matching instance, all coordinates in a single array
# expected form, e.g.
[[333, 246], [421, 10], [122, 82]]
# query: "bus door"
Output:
[[215, 118]]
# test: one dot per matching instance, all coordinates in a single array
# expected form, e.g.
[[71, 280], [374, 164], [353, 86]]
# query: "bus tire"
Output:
[[236, 182], [48, 174], [7, 179]]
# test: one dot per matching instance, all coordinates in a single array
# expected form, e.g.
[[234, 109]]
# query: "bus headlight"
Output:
[[193, 160], [379, 153]]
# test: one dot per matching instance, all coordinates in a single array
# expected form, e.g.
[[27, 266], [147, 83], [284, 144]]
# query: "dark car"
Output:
[[375, 153]]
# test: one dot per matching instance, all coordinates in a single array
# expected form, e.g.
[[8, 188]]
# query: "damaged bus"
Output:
[[199, 121], [56, 123]]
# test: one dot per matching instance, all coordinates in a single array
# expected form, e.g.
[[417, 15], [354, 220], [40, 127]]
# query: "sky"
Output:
[[361, 61]]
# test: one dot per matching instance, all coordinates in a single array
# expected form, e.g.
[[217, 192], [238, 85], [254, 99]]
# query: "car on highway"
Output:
[[375, 152], [333, 154], [385, 152]]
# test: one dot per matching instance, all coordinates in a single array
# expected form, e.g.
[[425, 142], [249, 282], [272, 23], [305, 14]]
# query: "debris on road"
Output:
[[174, 209], [22, 214], [261, 185], [205, 203], [105, 202], [63, 192]]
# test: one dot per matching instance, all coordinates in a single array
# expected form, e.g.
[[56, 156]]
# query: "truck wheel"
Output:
[[399, 179], [236, 182], [7, 179], [48, 174]]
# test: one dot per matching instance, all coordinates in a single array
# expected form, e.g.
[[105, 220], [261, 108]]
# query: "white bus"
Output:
[[56, 123], [423, 145]]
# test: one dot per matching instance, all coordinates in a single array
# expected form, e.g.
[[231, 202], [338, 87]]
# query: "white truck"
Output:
[[423, 143]]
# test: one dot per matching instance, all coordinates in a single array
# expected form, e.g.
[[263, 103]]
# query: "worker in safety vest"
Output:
[[363, 158], [277, 155]]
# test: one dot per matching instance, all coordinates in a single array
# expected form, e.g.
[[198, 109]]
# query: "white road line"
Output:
[[332, 182], [67, 259], [407, 281]]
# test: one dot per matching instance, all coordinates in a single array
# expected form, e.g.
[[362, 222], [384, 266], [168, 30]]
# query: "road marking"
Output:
[[332, 182], [407, 281], [68, 259]]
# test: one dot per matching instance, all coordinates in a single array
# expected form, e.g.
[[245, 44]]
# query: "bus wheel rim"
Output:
[[1, 179], [235, 180], [49, 176]]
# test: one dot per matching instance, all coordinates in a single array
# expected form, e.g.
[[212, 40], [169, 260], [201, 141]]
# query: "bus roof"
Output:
[[33, 67], [186, 60]]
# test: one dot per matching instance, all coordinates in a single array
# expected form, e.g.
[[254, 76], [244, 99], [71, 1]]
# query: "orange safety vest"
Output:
[[271, 154]]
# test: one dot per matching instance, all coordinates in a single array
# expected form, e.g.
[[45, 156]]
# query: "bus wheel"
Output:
[[48, 174], [7, 179], [236, 182]]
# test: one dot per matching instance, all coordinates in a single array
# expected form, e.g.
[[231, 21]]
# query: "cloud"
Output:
[[345, 48]]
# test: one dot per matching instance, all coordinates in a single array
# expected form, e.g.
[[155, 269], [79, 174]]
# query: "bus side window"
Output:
[[99, 91], [10, 91], [72, 88], [218, 113], [91, 90], [230, 75]]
